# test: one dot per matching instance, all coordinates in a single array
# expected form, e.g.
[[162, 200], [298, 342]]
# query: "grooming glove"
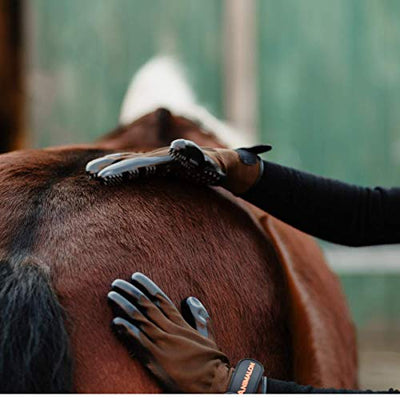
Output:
[[181, 358], [236, 170]]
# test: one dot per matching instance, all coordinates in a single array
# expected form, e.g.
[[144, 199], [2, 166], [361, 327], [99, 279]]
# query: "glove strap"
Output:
[[248, 155], [246, 377]]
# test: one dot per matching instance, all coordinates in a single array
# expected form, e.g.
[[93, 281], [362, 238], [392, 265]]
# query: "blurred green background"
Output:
[[327, 84]]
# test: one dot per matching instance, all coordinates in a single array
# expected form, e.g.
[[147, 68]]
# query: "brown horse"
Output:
[[64, 238]]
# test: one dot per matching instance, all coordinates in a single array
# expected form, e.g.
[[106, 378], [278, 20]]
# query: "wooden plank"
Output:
[[240, 67]]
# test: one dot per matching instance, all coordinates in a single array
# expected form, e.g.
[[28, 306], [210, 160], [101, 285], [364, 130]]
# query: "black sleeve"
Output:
[[329, 209], [277, 386]]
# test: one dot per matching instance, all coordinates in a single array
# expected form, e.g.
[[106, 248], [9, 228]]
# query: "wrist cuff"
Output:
[[246, 377]]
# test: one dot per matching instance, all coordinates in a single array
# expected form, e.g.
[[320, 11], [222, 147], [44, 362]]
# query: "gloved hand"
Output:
[[236, 170], [183, 359]]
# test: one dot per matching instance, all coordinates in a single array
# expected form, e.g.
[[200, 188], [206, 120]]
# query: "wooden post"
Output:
[[240, 65], [11, 86]]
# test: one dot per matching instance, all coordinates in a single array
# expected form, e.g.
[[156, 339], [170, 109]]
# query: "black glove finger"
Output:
[[207, 176], [135, 167], [140, 347], [137, 343], [188, 153], [122, 327], [131, 292], [95, 166], [196, 165], [197, 316], [158, 297], [123, 307]]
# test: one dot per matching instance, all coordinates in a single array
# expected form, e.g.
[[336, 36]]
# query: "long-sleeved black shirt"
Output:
[[329, 209], [277, 386]]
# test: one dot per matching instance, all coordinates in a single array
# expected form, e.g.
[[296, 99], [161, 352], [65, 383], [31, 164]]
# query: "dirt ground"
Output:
[[379, 359]]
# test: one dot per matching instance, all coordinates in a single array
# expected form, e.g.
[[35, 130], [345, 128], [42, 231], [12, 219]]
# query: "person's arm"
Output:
[[329, 209], [183, 357], [277, 386]]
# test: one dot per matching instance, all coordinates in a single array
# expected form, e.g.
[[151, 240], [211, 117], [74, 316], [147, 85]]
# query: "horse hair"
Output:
[[193, 241], [34, 345]]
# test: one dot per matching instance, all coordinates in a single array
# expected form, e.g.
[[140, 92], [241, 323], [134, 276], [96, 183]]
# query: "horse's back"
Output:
[[191, 240]]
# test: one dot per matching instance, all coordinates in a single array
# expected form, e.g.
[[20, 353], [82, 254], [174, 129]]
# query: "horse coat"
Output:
[[64, 238]]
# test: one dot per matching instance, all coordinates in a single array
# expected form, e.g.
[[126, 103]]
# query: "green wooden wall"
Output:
[[328, 73], [329, 86], [83, 54], [374, 300]]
